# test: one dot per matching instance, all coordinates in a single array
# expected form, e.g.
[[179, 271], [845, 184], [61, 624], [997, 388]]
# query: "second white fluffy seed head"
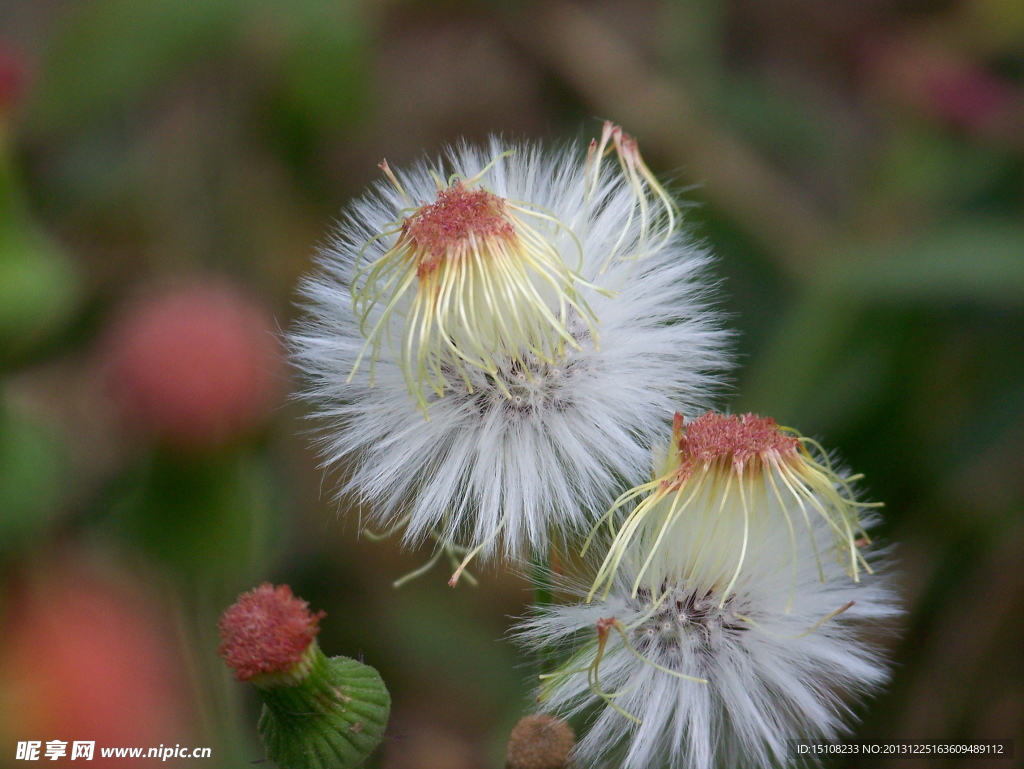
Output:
[[686, 674]]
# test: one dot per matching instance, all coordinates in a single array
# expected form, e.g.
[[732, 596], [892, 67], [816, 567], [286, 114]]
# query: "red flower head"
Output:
[[267, 631]]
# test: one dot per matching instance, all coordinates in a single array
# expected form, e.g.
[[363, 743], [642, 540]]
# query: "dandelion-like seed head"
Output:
[[474, 281], [738, 466], [701, 666], [495, 338]]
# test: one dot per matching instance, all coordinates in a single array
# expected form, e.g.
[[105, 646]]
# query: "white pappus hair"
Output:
[[496, 452], [776, 659]]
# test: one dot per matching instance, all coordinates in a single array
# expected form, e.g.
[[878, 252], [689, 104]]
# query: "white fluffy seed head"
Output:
[[686, 675], [526, 438]]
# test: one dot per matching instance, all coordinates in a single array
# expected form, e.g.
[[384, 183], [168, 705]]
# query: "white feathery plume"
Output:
[[494, 340], [737, 637]]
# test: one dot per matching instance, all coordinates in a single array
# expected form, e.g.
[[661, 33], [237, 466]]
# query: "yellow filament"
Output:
[[804, 634], [482, 299], [810, 485], [573, 667], [746, 532], [474, 552]]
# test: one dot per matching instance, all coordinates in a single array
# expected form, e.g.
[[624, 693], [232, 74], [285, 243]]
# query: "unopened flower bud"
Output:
[[267, 636], [317, 712], [540, 742]]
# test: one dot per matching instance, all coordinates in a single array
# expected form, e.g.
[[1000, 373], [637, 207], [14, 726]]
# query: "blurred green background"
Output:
[[168, 167]]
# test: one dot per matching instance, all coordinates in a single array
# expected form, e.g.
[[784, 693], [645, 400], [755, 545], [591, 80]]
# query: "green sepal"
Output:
[[331, 720]]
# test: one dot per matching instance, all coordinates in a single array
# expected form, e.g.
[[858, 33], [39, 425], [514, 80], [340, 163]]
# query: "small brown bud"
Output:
[[540, 742]]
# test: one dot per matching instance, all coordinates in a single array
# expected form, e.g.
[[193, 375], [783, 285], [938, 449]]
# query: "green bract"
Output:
[[332, 719]]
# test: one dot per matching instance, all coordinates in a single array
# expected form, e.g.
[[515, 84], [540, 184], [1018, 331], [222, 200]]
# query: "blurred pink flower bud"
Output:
[[12, 77], [969, 96], [196, 365], [940, 82], [89, 658]]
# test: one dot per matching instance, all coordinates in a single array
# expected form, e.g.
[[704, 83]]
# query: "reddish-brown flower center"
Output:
[[735, 438], [266, 631], [450, 222]]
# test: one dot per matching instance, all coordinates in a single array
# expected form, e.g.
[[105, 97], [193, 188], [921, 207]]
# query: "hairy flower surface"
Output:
[[267, 634], [539, 742], [496, 338], [685, 673], [724, 471]]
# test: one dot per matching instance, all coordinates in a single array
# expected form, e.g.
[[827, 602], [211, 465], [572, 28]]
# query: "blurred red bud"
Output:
[[90, 658], [12, 77], [196, 365]]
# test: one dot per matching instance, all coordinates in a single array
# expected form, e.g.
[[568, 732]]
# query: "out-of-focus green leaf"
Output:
[[319, 80], [810, 367], [691, 37], [448, 647], [110, 52], [996, 26], [32, 478], [783, 118], [39, 292], [39, 286], [980, 261], [923, 170], [322, 69], [802, 351], [205, 517]]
